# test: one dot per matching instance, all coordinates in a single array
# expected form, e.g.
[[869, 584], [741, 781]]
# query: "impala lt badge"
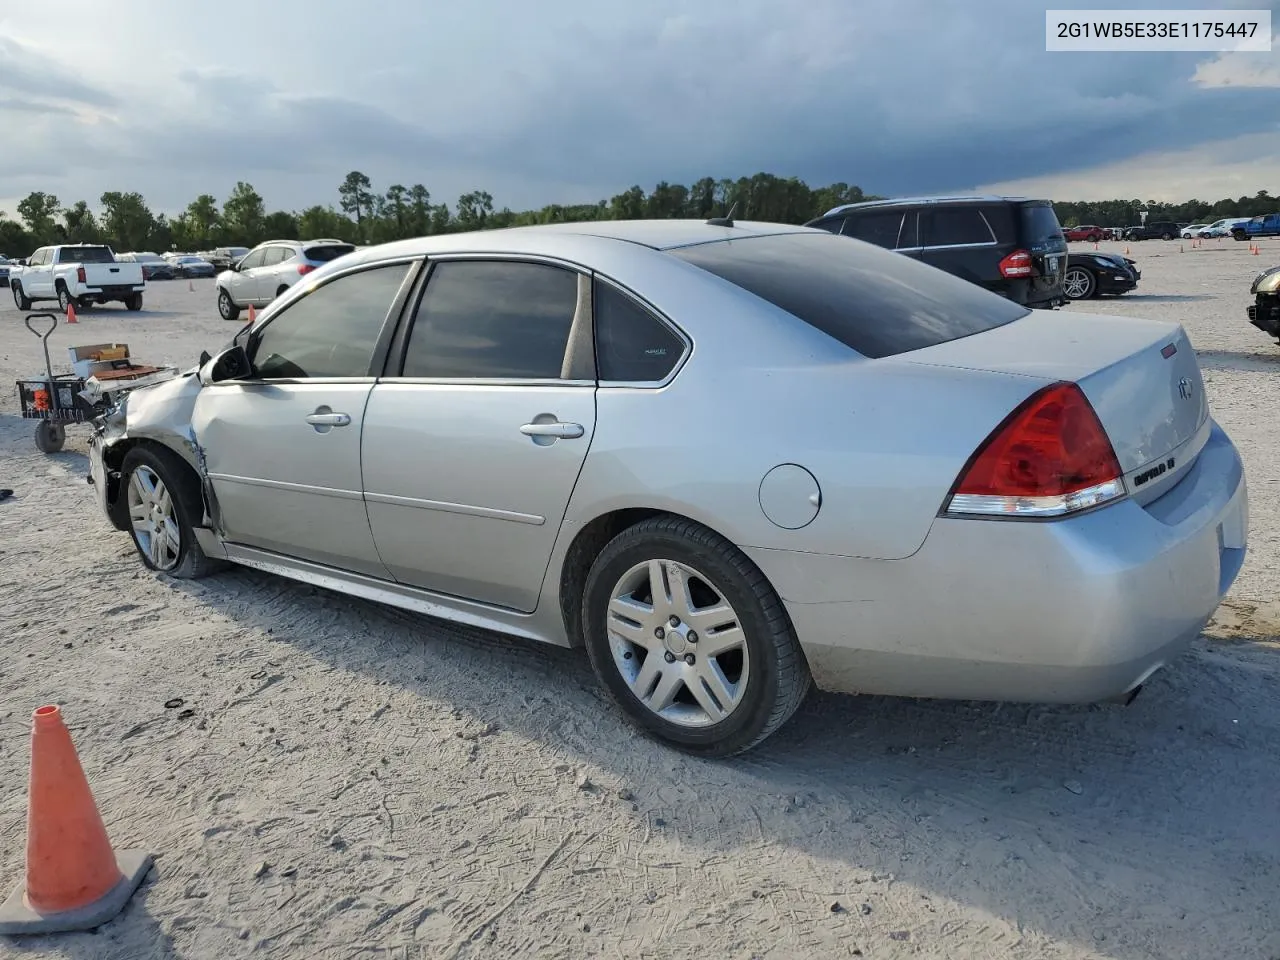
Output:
[[1185, 388]]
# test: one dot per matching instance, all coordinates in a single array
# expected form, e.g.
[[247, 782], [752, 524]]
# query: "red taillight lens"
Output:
[[80, 275], [1049, 458], [304, 269], [1016, 264]]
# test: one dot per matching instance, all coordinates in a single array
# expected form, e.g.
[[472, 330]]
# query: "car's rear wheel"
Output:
[[65, 300], [226, 307], [282, 290], [1078, 283], [19, 298], [690, 639], [133, 302], [164, 505]]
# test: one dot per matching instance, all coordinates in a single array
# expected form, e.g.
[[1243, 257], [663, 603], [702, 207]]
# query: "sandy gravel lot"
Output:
[[344, 781]]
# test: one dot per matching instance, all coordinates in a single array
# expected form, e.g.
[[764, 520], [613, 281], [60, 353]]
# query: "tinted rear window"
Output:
[[876, 302], [87, 255], [328, 252], [1039, 224]]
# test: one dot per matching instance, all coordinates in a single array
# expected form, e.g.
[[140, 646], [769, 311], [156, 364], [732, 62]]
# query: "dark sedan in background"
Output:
[[154, 266], [1093, 274], [193, 267]]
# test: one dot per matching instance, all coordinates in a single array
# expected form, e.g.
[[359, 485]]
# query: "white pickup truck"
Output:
[[79, 273]]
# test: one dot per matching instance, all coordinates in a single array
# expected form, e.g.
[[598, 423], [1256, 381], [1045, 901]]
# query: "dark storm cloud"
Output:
[[25, 72]]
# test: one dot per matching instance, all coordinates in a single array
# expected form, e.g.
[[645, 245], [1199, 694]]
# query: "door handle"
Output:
[[566, 431], [329, 419]]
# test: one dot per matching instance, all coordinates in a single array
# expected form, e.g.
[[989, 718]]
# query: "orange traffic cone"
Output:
[[1257, 247], [74, 880], [191, 287], [1126, 251], [71, 313], [252, 314]]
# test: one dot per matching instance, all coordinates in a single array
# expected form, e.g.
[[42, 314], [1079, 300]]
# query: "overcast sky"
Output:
[[575, 100]]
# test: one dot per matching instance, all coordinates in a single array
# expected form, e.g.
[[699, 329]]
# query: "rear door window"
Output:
[[881, 227], [492, 320], [873, 301], [954, 226], [323, 254]]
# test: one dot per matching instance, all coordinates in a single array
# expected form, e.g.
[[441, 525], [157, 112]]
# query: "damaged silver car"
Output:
[[729, 459]]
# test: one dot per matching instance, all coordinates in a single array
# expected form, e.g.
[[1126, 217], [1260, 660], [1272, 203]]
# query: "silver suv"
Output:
[[271, 268]]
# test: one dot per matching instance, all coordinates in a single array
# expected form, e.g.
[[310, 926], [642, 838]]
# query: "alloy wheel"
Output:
[[1076, 284], [678, 643], [155, 524]]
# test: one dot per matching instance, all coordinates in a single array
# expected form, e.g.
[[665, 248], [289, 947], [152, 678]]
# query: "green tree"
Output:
[[317, 221], [243, 216], [356, 195], [474, 210], [202, 219], [419, 211], [281, 225], [81, 225], [37, 210], [127, 220]]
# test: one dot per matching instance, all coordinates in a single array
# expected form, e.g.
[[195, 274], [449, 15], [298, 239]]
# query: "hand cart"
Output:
[[53, 401]]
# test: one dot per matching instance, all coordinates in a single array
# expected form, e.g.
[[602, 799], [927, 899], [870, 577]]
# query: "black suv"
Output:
[[1012, 246], [1155, 230]]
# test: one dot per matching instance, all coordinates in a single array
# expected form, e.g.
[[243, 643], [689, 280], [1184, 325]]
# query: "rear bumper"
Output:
[[1070, 611], [111, 292]]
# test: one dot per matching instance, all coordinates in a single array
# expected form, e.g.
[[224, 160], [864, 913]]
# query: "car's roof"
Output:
[[911, 201], [653, 234]]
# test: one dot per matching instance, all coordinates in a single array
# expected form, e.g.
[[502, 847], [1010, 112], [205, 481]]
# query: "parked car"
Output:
[[1154, 230], [4, 270], [1255, 227], [1264, 312], [1090, 232], [270, 269], [76, 273], [189, 266], [154, 267], [1192, 230], [1094, 274], [1009, 245], [885, 478], [1222, 228]]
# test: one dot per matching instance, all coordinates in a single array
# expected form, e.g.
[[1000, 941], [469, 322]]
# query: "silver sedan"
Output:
[[731, 460]]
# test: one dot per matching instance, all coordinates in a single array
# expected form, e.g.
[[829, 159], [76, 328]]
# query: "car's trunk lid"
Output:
[[1141, 377]]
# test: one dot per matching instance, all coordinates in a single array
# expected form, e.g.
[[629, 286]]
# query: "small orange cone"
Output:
[[191, 287], [1256, 249], [71, 313], [252, 314], [1126, 251], [74, 880]]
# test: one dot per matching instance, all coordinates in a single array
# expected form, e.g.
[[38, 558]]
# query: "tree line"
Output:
[[366, 216]]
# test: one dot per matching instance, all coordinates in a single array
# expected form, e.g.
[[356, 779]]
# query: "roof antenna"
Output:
[[725, 221]]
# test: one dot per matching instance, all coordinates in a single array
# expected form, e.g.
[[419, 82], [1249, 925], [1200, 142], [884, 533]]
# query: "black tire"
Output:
[[19, 298], [133, 302], [1166, 236], [779, 677], [50, 437], [226, 306], [65, 300], [282, 291], [184, 489], [1088, 290]]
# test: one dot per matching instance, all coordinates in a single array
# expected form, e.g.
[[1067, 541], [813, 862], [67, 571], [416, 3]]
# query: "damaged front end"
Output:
[[1264, 312], [157, 414]]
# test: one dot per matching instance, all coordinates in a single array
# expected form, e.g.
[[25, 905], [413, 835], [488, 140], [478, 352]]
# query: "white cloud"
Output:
[[1242, 69]]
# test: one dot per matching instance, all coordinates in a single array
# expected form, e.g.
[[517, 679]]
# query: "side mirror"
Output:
[[231, 364]]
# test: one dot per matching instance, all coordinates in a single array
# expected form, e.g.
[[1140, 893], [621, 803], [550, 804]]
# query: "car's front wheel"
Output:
[[690, 639], [226, 307], [164, 505], [1078, 283], [19, 298]]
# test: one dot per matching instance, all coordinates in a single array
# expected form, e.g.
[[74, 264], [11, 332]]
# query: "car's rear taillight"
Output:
[[304, 269], [1016, 264], [81, 277], [1049, 458]]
